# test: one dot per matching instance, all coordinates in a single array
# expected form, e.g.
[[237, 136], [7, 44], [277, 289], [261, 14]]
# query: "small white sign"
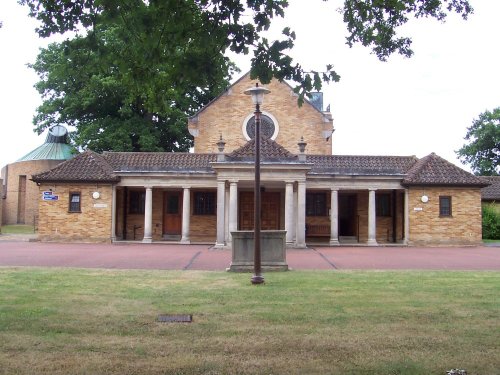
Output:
[[418, 209], [100, 205]]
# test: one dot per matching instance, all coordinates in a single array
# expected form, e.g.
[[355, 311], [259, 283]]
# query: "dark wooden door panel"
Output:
[[270, 211], [172, 216]]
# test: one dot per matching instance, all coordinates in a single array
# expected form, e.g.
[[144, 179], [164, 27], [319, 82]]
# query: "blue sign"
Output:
[[48, 196]]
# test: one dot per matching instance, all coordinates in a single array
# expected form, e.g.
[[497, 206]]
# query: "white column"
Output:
[[372, 219], [295, 213], [289, 222], [407, 217], [233, 207], [186, 214], [334, 218], [301, 215], [221, 195], [148, 216], [227, 238], [113, 214]]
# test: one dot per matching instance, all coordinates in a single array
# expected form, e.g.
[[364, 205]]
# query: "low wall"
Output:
[[273, 251]]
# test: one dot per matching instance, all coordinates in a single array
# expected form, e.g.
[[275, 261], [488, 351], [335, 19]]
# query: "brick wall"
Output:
[[21, 207], [464, 227], [226, 116], [92, 224]]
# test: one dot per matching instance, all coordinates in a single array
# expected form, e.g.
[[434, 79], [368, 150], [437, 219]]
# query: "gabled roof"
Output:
[[159, 161], [306, 100], [434, 170], [361, 165], [269, 150], [86, 167], [492, 192]]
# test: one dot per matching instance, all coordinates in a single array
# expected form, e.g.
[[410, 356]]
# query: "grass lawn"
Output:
[[71, 321], [491, 241], [17, 229]]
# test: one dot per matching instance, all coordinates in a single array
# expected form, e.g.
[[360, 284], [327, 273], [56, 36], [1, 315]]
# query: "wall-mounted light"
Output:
[[424, 199], [96, 195]]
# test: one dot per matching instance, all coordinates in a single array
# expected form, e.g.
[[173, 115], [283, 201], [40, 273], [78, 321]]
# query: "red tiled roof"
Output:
[[434, 170], [492, 192], [88, 166]]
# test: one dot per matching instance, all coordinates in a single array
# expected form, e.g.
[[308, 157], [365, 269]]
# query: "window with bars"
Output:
[[444, 206], [74, 202], [137, 202], [316, 204], [204, 203]]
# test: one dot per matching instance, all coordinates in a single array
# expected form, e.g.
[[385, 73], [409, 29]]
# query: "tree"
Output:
[[482, 151], [372, 23], [163, 57], [115, 105]]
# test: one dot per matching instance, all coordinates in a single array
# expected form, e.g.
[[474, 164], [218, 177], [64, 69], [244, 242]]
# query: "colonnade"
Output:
[[295, 214]]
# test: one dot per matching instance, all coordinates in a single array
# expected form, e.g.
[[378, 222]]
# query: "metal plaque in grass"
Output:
[[175, 318]]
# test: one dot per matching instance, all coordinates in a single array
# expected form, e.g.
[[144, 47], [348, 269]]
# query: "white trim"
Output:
[[245, 121]]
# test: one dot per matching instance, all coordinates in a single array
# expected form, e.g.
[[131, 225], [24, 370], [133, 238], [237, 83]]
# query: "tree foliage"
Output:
[[117, 105], [482, 150], [160, 60]]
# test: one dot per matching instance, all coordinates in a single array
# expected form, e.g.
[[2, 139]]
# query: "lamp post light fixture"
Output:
[[257, 94]]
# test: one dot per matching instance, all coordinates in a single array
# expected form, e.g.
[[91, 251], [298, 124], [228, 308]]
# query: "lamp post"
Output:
[[257, 94]]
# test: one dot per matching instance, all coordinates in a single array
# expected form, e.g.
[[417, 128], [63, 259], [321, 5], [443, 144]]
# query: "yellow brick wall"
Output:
[[385, 226], [203, 228], [11, 203], [93, 224], [226, 116], [464, 227], [362, 198]]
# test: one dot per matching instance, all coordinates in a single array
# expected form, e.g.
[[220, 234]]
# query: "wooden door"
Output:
[[172, 213], [270, 211]]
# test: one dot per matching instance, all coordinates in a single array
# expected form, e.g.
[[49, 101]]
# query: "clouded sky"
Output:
[[400, 107]]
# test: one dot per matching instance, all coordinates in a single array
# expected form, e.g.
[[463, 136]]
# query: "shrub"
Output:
[[491, 222]]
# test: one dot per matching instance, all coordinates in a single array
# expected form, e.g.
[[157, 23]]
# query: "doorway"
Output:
[[270, 210], [348, 219], [172, 215]]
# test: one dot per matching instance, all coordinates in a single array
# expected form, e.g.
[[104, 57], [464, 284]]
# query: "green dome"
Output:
[[56, 146]]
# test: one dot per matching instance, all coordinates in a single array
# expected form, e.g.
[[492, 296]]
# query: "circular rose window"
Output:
[[267, 127]]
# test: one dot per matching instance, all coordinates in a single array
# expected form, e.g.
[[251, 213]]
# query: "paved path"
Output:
[[14, 252]]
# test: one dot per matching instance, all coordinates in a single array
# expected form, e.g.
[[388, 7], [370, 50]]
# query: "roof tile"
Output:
[[434, 170], [361, 165], [88, 166], [159, 161], [269, 150], [492, 192]]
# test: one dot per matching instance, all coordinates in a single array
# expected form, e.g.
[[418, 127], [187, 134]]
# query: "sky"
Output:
[[403, 106]]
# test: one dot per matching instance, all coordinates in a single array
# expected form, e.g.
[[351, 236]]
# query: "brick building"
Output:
[[20, 194], [205, 195]]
